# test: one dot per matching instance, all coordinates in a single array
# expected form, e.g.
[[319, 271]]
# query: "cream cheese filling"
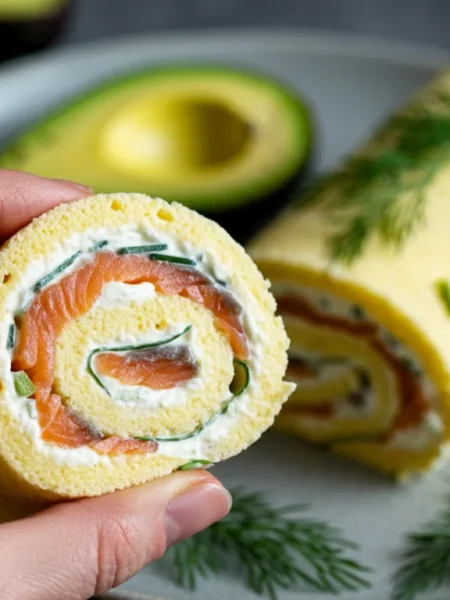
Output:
[[119, 294], [414, 438]]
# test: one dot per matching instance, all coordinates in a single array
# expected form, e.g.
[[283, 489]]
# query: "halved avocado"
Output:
[[218, 140], [29, 25]]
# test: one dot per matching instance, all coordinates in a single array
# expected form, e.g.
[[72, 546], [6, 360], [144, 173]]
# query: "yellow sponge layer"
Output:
[[32, 468]]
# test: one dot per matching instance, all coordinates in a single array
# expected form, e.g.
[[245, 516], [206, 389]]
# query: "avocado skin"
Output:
[[242, 223], [21, 37]]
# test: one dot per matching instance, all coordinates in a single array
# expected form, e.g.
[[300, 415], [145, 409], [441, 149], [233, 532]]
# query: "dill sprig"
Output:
[[272, 549], [426, 560], [383, 192]]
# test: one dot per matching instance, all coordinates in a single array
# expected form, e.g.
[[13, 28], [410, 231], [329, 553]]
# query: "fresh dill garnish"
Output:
[[426, 560], [272, 548], [384, 191]]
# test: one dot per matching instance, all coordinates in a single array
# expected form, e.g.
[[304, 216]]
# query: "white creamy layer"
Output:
[[419, 437], [117, 294], [415, 438]]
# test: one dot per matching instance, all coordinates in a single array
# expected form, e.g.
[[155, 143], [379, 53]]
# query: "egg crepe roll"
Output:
[[137, 339], [360, 269]]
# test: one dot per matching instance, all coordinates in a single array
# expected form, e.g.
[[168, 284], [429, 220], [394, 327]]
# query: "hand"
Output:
[[78, 549]]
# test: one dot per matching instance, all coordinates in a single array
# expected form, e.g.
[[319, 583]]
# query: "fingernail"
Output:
[[195, 510], [74, 184]]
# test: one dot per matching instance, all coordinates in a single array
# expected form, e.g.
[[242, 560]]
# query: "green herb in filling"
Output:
[[11, 337], [23, 384], [62, 267], [175, 259], [143, 249], [194, 464], [196, 431], [358, 312], [99, 245], [410, 365], [241, 377]]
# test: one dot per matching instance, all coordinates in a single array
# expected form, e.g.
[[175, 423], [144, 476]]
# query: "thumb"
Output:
[[76, 550], [24, 197]]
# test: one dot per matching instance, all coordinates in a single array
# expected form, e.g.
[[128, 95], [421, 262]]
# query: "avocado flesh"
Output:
[[28, 9], [212, 139]]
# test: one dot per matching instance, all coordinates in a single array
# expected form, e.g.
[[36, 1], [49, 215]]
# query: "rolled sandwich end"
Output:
[[150, 342], [371, 383]]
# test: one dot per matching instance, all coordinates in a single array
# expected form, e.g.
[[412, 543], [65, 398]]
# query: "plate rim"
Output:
[[316, 42]]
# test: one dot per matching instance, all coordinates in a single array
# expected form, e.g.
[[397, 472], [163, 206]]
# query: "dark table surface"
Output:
[[425, 21]]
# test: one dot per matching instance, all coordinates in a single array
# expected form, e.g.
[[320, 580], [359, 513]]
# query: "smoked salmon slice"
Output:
[[157, 368], [74, 295]]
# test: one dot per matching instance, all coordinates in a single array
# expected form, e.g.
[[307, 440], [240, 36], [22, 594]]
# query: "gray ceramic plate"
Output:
[[352, 83]]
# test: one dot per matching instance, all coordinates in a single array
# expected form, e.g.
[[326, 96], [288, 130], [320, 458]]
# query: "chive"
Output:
[[221, 282], [182, 437], [62, 267], [128, 349], [243, 368], [11, 337], [241, 377], [196, 431], [410, 365], [175, 438], [174, 259], [194, 464], [358, 312], [23, 384], [142, 249], [443, 290], [364, 379], [99, 245]]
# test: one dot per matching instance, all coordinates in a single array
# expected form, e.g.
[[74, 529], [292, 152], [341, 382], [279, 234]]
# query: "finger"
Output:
[[24, 197], [76, 550]]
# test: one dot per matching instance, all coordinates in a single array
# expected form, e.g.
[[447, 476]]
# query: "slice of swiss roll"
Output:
[[137, 338], [359, 272]]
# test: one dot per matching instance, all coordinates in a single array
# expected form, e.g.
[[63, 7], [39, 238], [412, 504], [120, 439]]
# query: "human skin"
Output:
[[78, 549]]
